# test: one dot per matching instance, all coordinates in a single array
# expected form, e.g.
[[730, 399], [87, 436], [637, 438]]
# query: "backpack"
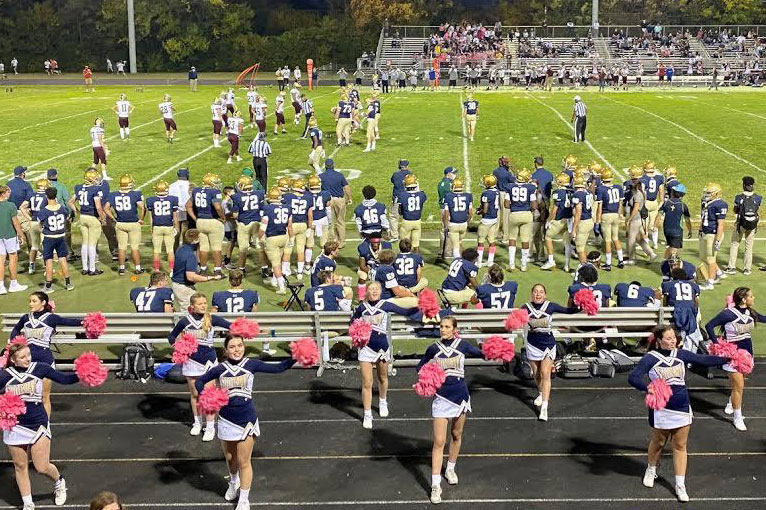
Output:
[[747, 215], [620, 360], [521, 367], [136, 363]]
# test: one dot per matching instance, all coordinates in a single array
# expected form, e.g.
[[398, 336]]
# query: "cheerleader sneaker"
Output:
[[728, 409], [543, 415], [539, 400], [209, 434], [243, 505], [59, 492], [29, 506], [383, 409], [739, 424], [196, 429], [367, 422], [681, 494], [649, 476], [451, 476], [232, 491], [436, 494]]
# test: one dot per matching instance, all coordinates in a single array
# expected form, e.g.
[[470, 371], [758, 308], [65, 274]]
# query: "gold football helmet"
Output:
[[161, 188], [523, 175], [489, 181], [649, 167], [458, 185], [274, 195], [635, 172], [41, 184], [671, 172], [562, 180], [211, 180], [596, 168], [578, 181], [570, 161], [313, 121], [91, 177], [298, 184], [410, 181], [315, 184], [713, 191], [127, 182], [283, 183], [607, 175], [245, 183]]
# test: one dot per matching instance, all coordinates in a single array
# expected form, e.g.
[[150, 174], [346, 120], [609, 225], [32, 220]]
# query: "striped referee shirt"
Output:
[[260, 148], [579, 109], [308, 107]]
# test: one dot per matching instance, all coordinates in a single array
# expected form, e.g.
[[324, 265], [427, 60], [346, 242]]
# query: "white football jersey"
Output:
[[295, 95], [216, 110], [123, 109], [280, 104], [251, 97], [234, 125], [95, 132], [166, 107], [230, 98], [260, 111]]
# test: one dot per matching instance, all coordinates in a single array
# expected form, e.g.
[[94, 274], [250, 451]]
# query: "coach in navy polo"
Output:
[[185, 270], [336, 184], [21, 190]]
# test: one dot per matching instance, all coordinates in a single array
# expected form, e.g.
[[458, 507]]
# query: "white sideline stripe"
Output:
[[690, 133], [403, 420], [726, 108], [409, 502], [619, 172], [465, 147]]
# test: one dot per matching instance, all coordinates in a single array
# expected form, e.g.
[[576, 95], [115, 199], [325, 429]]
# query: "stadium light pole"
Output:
[[594, 17], [132, 37]]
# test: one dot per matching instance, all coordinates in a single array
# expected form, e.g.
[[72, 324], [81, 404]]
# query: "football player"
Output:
[[343, 113], [654, 188], [372, 125], [471, 114], [229, 100], [712, 226], [100, 150], [163, 209], [276, 230], [496, 293], [582, 222], [634, 295], [369, 252], [89, 201], [409, 268], [236, 299], [456, 214], [411, 202], [460, 284], [217, 110], [559, 221], [52, 219], [234, 126], [295, 98], [31, 207], [247, 205], [321, 219], [123, 109], [327, 295], [671, 178], [370, 215], [260, 114], [204, 207], [301, 205], [397, 181], [317, 151], [376, 102], [156, 298], [279, 113], [488, 210], [126, 207], [325, 262], [522, 201], [167, 109], [252, 99], [588, 279], [609, 198]]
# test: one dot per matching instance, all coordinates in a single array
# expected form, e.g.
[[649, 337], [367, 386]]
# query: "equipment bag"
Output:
[[600, 367], [747, 215], [620, 360], [136, 363], [575, 367], [521, 367]]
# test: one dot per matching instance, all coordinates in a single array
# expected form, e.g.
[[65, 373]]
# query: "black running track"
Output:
[[313, 452]]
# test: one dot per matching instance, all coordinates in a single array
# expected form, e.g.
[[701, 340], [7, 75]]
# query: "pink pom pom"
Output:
[[742, 361], [183, 348], [428, 303], [305, 352], [659, 395], [498, 348], [212, 399], [94, 324], [517, 319], [586, 301], [90, 370], [360, 332], [11, 407], [245, 328], [729, 301], [5, 358], [52, 305], [430, 378], [724, 349]]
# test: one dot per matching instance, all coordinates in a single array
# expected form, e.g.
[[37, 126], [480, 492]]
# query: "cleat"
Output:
[[728, 409], [607, 267], [367, 422], [730, 270], [70, 286], [243, 505], [139, 271], [121, 271], [114, 257], [48, 289], [95, 272], [209, 434], [523, 268], [621, 265], [548, 266], [84, 272], [649, 476], [539, 400], [59, 492], [3, 290], [196, 429], [747, 272], [383, 409], [512, 268], [266, 353], [739, 424], [681, 494], [436, 494], [281, 292], [29, 506], [232, 491], [451, 476], [707, 286]]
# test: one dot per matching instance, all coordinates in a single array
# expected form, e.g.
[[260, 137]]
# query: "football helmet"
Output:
[[562, 180], [161, 188], [523, 175], [298, 184], [410, 181], [127, 182], [649, 167], [91, 177], [570, 161], [283, 184], [315, 184], [99, 122], [41, 184], [458, 185], [123, 96], [635, 172], [274, 195], [596, 168], [211, 180], [713, 191], [489, 181], [312, 121], [671, 172], [166, 97], [607, 175], [245, 183], [578, 181], [237, 114]]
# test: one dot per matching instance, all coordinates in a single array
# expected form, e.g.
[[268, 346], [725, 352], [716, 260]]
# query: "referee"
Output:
[[579, 117], [260, 149], [307, 107]]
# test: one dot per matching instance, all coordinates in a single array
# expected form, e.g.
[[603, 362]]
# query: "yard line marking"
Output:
[[465, 147], [731, 109], [619, 172], [691, 133]]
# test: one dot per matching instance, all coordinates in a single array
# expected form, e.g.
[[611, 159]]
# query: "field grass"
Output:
[[708, 136]]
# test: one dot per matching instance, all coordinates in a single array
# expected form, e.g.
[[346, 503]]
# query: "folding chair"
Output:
[[295, 298]]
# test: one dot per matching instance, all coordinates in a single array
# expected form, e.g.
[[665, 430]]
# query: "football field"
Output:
[[708, 136]]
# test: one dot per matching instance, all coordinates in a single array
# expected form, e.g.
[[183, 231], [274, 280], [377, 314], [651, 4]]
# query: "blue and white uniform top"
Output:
[[39, 328], [539, 332], [491, 197], [406, 266], [585, 199], [238, 419], [632, 295], [386, 276], [521, 196], [321, 203], [671, 367], [28, 384], [205, 357], [602, 292], [497, 296], [235, 300], [125, 205], [652, 185], [682, 296], [737, 325], [376, 314], [276, 217], [151, 299], [87, 196], [162, 209], [326, 298], [411, 204], [248, 206], [689, 268], [370, 217], [204, 200], [562, 199], [610, 196], [322, 263], [453, 398], [457, 205], [37, 202], [366, 252]]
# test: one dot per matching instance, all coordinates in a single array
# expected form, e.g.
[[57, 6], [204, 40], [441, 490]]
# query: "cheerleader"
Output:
[[737, 323], [666, 361], [238, 420], [378, 351], [31, 437], [39, 327], [541, 345], [452, 401], [199, 323]]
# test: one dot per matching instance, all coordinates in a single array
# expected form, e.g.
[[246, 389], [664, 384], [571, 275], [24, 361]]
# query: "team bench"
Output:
[[328, 328]]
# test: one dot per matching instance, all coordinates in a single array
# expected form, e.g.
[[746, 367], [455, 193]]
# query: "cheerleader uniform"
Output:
[[376, 314], [670, 366], [541, 343], [39, 328], [28, 384], [238, 419], [737, 324], [453, 398], [204, 358]]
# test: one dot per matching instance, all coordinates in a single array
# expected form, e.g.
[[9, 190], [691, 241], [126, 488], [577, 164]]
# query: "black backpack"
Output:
[[136, 363], [521, 366], [747, 215]]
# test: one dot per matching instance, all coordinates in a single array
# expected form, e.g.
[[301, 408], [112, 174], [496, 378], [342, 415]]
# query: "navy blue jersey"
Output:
[[322, 263], [458, 205], [450, 355], [471, 107], [324, 298], [151, 299], [321, 203], [37, 201], [688, 268], [406, 266], [540, 333], [53, 223], [316, 136], [491, 197], [652, 185], [494, 296], [365, 251], [521, 196], [369, 216], [504, 178], [125, 205], [611, 197], [411, 204], [397, 180], [277, 217], [162, 209], [459, 274], [203, 200], [248, 205], [562, 199], [386, 276], [632, 295], [87, 196], [235, 301], [675, 211], [681, 293], [39, 329], [584, 198], [602, 292], [715, 210], [344, 109], [299, 206]]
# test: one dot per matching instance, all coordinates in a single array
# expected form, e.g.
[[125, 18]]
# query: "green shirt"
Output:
[[8, 211], [62, 194], [445, 185]]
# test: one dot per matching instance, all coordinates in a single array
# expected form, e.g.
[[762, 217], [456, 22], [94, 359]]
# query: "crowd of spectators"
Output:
[[472, 41], [537, 47], [652, 42]]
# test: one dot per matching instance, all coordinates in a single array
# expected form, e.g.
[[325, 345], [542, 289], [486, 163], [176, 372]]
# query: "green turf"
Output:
[[707, 136]]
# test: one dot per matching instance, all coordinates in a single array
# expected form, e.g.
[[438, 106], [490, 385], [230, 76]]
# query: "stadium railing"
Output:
[[328, 328]]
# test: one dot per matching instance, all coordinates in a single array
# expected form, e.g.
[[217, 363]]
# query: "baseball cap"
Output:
[[403, 163], [679, 188], [449, 170], [539, 160], [183, 173], [248, 172], [328, 163], [19, 170], [52, 173]]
